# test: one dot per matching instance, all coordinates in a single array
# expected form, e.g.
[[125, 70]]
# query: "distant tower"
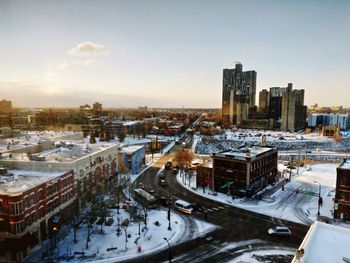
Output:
[[293, 110], [263, 101], [238, 93]]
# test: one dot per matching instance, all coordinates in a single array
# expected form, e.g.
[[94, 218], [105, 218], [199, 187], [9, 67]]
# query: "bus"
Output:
[[183, 206], [145, 198]]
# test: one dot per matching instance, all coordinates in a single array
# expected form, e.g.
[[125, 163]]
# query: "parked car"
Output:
[[152, 192], [279, 231], [162, 182], [162, 175], [140, 185], [174, 171]]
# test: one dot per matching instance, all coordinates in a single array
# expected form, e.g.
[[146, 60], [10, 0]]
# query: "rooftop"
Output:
[[345, 164], [244, 151], [132, 149], [325, 243], [31, 138], [18, 181], [65, 151]]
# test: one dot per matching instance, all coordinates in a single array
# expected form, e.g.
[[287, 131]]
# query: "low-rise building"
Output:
[[342, 192], [33, 204], [94, 165], [324, 243], [133, 157], [244, 170]]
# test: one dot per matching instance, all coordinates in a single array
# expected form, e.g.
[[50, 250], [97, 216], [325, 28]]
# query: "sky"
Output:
[[170, 53]]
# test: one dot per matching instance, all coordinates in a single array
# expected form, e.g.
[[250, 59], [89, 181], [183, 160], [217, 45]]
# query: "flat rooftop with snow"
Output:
[[17, 181], [64, 152], [345, 165], [324, 243], [245, 151]]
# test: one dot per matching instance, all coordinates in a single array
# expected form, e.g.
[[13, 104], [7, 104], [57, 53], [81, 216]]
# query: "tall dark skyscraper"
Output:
[[275, 101], [293, 110], [264, 101], [238, 93]]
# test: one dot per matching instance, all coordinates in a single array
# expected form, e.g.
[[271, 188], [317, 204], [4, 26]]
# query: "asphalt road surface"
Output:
[[235, 224]]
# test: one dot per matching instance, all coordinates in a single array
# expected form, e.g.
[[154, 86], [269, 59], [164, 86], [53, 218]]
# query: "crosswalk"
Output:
[[214, 209]]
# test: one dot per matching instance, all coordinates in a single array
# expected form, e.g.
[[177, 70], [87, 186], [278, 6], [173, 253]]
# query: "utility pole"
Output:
[[298, 161]]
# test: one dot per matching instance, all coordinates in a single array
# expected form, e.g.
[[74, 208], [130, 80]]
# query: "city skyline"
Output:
[[169, 54]]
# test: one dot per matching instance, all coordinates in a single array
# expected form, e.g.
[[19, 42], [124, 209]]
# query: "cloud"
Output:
[[88, 48], [84, 63]]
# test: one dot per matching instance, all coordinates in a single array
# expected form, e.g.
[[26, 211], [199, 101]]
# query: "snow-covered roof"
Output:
[[18, 181], [324, 243], [243, 152], [132, 149], [33, 137], [67, 153], [345, 164]]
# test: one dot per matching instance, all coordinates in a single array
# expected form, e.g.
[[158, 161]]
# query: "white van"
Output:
[[183, 206]]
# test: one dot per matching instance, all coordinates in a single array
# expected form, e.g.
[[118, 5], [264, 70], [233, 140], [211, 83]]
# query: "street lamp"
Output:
[[319, 197], [169, 212], [169, 251]]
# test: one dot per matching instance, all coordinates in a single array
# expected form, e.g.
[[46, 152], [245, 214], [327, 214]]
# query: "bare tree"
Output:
[[184, 159], [122, 134]]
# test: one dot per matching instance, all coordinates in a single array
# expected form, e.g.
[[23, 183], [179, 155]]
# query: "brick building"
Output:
[[244, 170], [30, 201], [94, 165], [342, 192]]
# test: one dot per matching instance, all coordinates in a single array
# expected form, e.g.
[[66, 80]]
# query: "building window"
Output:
[[25, 203], [16, 228], [32, 200], [42, 211], [49, 190], [41, 194], [33, 217], [15, 208], [55, 188]]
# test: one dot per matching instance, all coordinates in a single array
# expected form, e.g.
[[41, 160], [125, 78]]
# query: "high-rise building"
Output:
[[5, 106], [238, 93], [263, 101], [293, 110], [97, 107], [275, 101]]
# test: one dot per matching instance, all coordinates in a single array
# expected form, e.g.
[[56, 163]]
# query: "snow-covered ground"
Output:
[[107, 246], [281, 140], [253, 250], [264, 255], [287, 204], [99, 247]]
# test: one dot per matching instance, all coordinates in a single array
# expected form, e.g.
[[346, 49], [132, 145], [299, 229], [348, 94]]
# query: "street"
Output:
[[235, 224]]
